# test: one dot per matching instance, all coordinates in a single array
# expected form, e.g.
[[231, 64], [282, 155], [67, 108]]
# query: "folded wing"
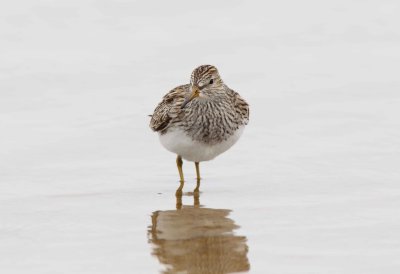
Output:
[[169, 108]]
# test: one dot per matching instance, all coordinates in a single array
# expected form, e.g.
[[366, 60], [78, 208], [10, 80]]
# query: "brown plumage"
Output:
[[200, 120], [168, 108]]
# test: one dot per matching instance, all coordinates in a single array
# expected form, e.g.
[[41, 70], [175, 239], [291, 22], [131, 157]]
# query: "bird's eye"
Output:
[[211, 81]]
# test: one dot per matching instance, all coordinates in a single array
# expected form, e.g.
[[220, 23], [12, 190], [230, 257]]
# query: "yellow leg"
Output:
[[178, 195], [197, 170], [196, 191], [179, 163], [196, 196]]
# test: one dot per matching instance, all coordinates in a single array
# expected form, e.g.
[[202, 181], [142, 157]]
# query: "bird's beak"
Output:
[[195, 93]]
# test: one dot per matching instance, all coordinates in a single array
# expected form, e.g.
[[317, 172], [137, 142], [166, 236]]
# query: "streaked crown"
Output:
[[203, 74]]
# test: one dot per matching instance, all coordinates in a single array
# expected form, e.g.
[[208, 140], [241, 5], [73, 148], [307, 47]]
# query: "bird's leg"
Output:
[[179, 163], [178, 196], [196, 191], [196, 196], [197, 170], [179, 190]]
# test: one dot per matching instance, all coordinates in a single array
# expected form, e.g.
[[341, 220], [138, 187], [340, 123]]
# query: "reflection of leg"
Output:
[[179, 163], [196, 195], [197, 170], [196, 191], [178, 195]]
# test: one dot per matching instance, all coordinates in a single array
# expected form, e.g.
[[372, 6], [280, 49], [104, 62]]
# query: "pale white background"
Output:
[[313, 183]]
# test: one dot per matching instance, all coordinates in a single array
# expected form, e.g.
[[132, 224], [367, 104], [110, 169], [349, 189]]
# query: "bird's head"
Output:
[[204, 82]]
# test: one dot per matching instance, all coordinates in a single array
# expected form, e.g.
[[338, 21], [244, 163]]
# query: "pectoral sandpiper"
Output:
[[200, 120]]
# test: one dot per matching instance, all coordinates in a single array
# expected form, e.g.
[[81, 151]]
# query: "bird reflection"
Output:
[[194, 239]]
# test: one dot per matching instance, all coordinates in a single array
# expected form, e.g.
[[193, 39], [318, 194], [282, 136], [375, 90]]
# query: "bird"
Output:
[[200, 120]]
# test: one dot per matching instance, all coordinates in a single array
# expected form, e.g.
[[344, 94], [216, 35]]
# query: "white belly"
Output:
[[179, 143]]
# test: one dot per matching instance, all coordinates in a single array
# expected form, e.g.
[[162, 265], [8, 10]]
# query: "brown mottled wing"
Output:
[[168, 108], [241, 107]]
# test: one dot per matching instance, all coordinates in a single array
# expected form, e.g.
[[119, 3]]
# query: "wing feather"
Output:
[[168, 108], [241, 107]]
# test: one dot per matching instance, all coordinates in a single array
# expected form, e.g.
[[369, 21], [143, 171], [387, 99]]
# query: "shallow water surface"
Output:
[[312, 186]]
